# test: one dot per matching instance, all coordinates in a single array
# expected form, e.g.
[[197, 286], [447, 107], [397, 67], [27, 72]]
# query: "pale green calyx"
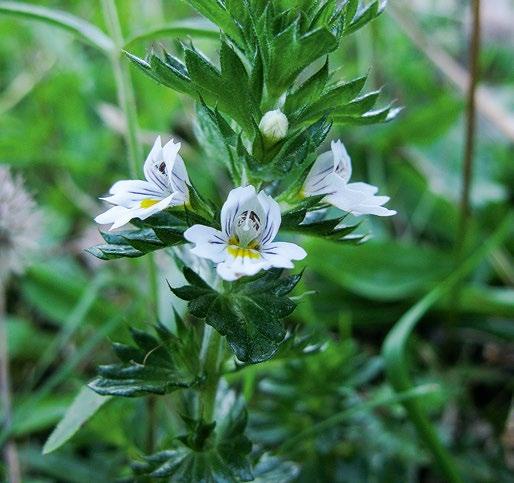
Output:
[[273, 126]]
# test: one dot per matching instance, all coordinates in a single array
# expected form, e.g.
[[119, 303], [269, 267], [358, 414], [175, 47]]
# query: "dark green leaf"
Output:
[[155, 365], [203, 454], [249, 315]]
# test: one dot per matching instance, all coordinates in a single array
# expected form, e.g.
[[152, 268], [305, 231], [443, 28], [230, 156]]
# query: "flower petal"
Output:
[[156, 168], [179, 178], [123, 215], [359, 201], [110, 215], [237, 198], [316, 181], [236, 267], [130, 193], [373, 210], [210, 243], [342, 162], [280, 254], [363, 187], [273, 217]]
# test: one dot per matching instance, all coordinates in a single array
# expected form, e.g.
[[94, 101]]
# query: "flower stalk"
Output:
[[211, 366]]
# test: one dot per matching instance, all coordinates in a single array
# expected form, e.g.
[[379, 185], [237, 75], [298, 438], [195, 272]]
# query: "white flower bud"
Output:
[[273, 126]]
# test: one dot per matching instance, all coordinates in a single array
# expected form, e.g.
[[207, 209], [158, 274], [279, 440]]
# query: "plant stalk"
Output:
[[127, 102], [469, 143], [211, 361], [9, 450], [124, 86]]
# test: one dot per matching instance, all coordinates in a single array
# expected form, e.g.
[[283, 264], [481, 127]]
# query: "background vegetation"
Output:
[[329, 414]]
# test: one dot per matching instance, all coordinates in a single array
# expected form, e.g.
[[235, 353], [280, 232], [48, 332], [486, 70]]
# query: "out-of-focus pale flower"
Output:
[[274, 126], [20, 224], [166, 185], [330, 176], [244, 246]]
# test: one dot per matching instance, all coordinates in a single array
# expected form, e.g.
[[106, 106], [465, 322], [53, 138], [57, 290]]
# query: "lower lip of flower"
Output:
[[147, 203], [250, 251]]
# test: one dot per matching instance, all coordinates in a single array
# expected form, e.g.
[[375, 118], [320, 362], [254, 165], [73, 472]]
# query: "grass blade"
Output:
[[395, 357], [183, 28], [81, 28]]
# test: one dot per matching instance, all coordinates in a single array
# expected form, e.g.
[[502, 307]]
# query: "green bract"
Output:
[[249, 313], [216, 452], [156, 365]]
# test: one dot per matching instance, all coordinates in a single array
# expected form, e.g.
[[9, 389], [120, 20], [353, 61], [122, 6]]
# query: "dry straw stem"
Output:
[[486, 103], [469, 141]]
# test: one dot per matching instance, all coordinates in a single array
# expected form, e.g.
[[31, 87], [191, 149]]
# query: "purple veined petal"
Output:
[[210, 243], [236, 199], [342, 161], [156, 169], [315, 182], [130, 193], [179, 178], [273, 217], [235, 267], [281, 254]]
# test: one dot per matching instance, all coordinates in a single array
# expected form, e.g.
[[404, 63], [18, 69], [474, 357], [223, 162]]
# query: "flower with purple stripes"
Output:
[[330, 175], [245, 244], [166, 185]]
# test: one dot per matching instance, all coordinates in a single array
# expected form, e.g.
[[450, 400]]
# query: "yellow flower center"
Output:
[[148, 202], [250, 251]]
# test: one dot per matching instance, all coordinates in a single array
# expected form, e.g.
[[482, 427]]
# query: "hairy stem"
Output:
[[211, 360], [9, 449]]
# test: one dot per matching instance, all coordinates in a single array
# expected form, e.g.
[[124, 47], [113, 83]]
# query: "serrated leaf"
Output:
[[217, 145], [291, 52], [333, 97], [249, 315], [111, 252], [362, 17], [309, 90], [214, 453], [217, 13], [164, 73], [371, 117], [155, 365]]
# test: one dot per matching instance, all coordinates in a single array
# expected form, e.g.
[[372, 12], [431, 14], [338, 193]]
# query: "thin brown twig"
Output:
[[9, 450], [469, 141], [486, 102]]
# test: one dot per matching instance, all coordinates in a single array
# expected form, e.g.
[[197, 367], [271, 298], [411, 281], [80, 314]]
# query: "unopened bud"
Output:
[[273, 126]]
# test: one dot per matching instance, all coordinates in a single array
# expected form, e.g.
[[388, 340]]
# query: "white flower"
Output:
[[330, 176], [166, 185], [274, 126], [244, 246]]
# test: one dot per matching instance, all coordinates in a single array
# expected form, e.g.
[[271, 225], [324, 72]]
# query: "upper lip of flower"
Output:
[[249, 224], [166, 185]]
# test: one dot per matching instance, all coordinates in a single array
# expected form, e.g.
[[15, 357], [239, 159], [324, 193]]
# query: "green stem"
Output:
[[127, 102], [211, 361]]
